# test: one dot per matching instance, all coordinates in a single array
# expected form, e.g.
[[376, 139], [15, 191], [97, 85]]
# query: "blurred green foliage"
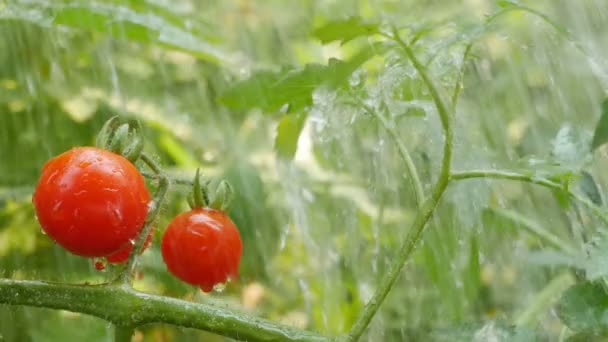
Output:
[[246, 90]]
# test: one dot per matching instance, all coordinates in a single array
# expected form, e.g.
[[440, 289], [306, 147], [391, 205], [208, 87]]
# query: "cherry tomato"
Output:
[[92, 202], [202, 247], [123, 254]]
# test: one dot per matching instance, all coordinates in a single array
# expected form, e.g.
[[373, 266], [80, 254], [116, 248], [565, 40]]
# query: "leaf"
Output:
[[505, 3], [345, 30], [257, 221], [596, 264], [542, 302], [519, 221], [288, 134], [571, 148], [584, 308], [270, 91], [589, 187], [118, 21], [600, 137]]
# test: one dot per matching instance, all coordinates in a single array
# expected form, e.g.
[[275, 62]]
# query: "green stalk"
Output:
[[412, 172], [512, 175], [537, 230], [460, 81], [426, 211], [163, 187], [126, 307], [544, 300]]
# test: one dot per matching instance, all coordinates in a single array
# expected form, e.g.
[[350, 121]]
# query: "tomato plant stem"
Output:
[[163, 187], [412, 172], [427, 209], [512, 175], [125, 306]]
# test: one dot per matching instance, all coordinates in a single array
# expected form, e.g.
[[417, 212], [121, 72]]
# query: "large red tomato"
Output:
[[91, 201]]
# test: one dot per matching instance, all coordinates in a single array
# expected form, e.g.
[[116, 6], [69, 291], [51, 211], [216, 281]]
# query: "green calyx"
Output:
[[199, 195], [124, 137], [223, 196]]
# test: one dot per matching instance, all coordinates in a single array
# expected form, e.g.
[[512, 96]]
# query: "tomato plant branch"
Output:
[[460, 81], [512, 175], [403, 152], [154, 208], [427, 209], [152, 164], [533, 228], [124, 306]]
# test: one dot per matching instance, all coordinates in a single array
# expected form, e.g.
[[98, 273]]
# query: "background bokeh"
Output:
[[320, 224]]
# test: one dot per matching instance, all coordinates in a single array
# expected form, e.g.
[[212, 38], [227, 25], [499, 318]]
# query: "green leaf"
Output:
[[270, 91], [288, 134], [540, 305], [571, 148], [516, 220], [256, 219], [505, 3], [589, 187], [345, 30], [596, 264], [600, 136], [584, 308], [118, 21]]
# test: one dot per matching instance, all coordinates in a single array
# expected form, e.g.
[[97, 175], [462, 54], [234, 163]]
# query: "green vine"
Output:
[[427, 208], [126, 307]]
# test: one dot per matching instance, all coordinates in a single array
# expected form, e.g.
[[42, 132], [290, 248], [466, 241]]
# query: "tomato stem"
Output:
[[154, 209], [427, 209], [124, 306], [412, 172], [516, 176], [152, 164]]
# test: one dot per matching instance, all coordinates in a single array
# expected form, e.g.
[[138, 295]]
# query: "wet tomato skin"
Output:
[[92, 202], [202, 247]]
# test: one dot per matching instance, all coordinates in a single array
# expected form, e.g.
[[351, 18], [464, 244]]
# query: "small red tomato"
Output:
[[202, 247], [91, 201], [123, 254]]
